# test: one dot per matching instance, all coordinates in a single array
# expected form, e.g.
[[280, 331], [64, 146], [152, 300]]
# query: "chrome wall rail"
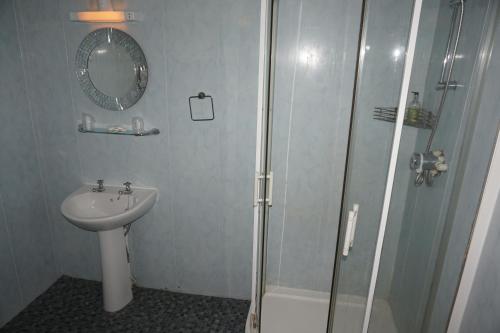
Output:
[[447, 54]]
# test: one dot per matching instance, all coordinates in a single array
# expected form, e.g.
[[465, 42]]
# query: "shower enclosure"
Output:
[[345, 238]]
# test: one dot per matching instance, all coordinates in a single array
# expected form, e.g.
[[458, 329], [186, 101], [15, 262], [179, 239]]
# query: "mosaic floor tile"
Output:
[[75, 305]]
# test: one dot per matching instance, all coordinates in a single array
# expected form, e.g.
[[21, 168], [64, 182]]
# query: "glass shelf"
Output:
[[153, 131]]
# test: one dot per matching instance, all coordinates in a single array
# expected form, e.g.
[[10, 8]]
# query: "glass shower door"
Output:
[[316, 53], [403, 254], [383, 75], [312, 78], [434, 206], [385, 279]]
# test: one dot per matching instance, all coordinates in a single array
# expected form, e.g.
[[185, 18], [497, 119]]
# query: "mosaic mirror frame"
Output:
[[122, 39]]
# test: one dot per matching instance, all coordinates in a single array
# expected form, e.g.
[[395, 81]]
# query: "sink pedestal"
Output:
[[116, 283], [107, 212]]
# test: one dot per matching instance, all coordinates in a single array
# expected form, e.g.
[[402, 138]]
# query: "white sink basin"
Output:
[[98, 211], [107, 212]]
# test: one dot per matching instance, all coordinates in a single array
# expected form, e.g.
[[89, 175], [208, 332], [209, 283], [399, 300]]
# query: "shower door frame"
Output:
[[391, 172], [264, 100], [267, 46]]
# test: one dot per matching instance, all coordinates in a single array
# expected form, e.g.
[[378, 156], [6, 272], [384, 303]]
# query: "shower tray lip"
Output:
[[296, 293]]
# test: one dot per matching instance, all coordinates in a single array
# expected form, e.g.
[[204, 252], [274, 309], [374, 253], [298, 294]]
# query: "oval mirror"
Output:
[[111, 69]]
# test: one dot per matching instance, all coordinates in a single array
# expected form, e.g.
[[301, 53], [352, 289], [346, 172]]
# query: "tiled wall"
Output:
[[26, 252], [198, 237]]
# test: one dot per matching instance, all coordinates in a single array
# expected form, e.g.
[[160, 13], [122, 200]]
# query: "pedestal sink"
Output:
[[106, 213]]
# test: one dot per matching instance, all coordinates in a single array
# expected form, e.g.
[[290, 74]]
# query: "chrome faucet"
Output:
[[100, 186], [127, 189]]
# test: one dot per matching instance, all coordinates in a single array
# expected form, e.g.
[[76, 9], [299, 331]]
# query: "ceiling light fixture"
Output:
[[104, 14]]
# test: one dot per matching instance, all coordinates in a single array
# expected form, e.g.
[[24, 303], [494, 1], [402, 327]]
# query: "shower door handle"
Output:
[[355, 210], [259, 196], [352, 221], [347, 237]]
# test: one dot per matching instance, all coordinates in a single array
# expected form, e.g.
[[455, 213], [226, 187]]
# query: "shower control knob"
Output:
[[415, 161]]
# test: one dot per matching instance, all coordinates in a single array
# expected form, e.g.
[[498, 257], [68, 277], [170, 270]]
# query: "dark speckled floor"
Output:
[[75, 305]]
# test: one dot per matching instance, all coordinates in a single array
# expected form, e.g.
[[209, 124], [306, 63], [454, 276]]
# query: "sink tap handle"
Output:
[[127, 186], [100, 186]]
